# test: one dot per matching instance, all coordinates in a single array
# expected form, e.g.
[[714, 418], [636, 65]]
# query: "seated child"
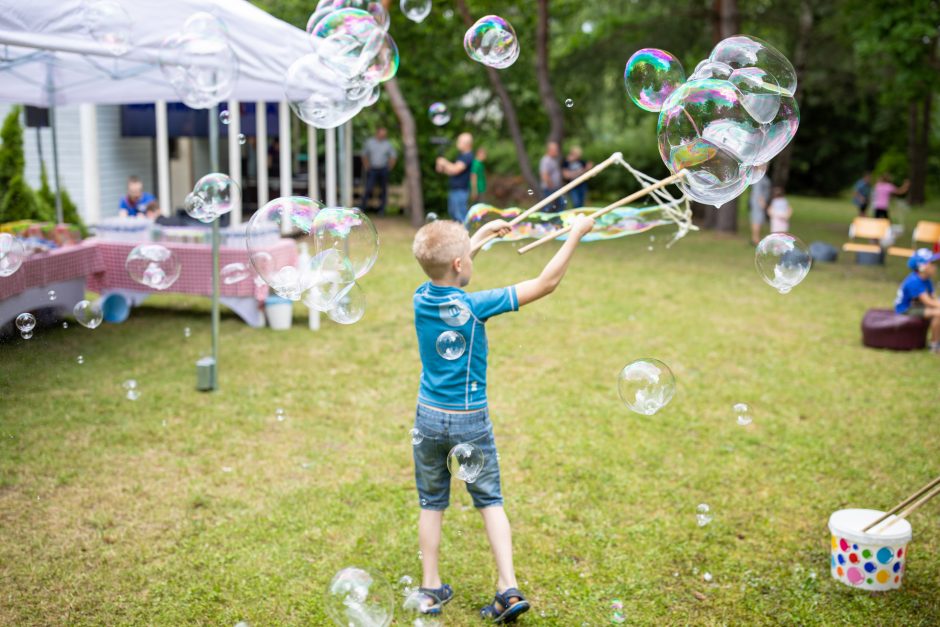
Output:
[[916, 295], [452, 404], [780, 212]]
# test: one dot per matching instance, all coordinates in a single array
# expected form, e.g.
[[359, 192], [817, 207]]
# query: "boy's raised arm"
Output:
[[546, 282]]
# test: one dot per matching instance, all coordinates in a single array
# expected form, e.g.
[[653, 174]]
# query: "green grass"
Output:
[[115, 512]]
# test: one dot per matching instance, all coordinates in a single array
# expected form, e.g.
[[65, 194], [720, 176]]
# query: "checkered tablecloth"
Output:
[[61, 264], [196, 273]]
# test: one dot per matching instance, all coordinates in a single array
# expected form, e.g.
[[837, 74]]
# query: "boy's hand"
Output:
[[500, 227], [581, 226]]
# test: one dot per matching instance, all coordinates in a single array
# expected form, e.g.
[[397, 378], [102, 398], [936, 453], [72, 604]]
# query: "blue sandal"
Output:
[[510, 610], [441, 597]]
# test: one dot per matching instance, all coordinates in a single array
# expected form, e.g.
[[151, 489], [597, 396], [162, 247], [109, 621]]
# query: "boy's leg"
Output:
[[429, 540], [934, 316], [499, 533]]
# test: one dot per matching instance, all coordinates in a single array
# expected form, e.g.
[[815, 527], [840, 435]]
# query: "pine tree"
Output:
[[12, 160], [19, 202]]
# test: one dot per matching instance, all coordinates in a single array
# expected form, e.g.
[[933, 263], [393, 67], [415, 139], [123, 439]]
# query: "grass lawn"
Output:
[[185, 508]]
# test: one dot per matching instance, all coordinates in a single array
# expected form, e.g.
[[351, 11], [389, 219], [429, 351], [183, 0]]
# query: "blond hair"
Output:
[[437, 244]]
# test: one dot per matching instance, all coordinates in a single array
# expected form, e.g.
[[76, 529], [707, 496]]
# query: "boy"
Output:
[[452, 406], [780, 212], [478, 176], [884, 190], [916, 296]]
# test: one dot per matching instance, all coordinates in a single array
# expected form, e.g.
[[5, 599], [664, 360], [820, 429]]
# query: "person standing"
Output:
[[550, 176], [378, 158], [861, 193], [573, 167], [136, 202], [758, 203], [458, 192], [884, 189], [478, 176], [780, 212]]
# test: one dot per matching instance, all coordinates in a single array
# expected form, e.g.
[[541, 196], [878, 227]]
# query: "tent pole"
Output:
[[261, 156], [313, 166], [347, 164], [214, 160], [331, 167], [50, 91], [163, 158], [235, 155], [284, 138]]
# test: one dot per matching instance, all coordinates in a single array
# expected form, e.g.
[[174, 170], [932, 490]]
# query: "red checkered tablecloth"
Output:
[[196, 273], [61, 264]]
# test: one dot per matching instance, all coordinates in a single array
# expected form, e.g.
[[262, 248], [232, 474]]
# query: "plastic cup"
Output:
[[873, 560]]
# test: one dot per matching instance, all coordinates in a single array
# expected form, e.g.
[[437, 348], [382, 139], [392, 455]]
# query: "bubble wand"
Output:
[[920, 494], [620, 203], [603, 165]]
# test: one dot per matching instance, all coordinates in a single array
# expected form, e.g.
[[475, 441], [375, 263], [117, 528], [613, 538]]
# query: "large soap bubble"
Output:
[[416, 10], [109, 25], [650, 76], [372, 7], [783, 261], [646, 386], [349, 231], [781, 130], [12, 254], [317, 94], [761, 94], [88, 314], [349, 307], [282, 215], [357, 598], [492, 41], [214, 195], [744, 51], [347, 40], [328, 279], [153, 265], [465, 462], [200, 62]]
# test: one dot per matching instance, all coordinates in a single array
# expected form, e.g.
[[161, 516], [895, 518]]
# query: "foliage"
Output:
[[46, 196], [19, 203], [12, 160], [894, 163]]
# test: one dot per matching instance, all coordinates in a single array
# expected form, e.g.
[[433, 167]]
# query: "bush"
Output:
[[46, 197], [19, 202], [894, 163]]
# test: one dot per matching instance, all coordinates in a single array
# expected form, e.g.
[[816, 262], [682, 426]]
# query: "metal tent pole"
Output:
[[214, 161], [50, 95]]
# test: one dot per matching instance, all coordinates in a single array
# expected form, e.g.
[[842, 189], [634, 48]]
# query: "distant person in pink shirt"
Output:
[[884, 189]]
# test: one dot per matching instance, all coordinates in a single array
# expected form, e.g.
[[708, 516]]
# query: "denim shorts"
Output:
[[442, 430]]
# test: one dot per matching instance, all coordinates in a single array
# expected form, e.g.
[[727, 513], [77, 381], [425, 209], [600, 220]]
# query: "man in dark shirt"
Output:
[[861, 193], [573, 167], [458, 192]]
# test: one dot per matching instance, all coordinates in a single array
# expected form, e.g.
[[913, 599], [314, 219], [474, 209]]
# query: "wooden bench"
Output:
[[925, 232], [870, 229]]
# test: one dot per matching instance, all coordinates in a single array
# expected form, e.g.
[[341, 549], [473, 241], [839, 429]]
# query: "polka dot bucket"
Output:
[[872, 560]]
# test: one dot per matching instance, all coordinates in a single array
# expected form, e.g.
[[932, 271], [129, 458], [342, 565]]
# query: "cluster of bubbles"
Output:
[[12, 254], [743, 414], [26, 322], [722, 125], [108, 24], [439, 114], [352, 55], [703, 514], [416, 10], [88, 314], [357, 598], [153, 265], [646, 386], [465, 461], [346, 245], [492, 41], [783, 261], [200, 62], [214, 195]]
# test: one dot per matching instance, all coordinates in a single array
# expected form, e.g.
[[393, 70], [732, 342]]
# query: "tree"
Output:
[[412, 161], [12, 160], [556, 118], [19, 202], [45, 198]]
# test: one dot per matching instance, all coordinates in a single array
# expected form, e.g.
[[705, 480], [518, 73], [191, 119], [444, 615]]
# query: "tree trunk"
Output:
[[509, 111], [412, 162], [556, 118], [918, 137], [781, 166]]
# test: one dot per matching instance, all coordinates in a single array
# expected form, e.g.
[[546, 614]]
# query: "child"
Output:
[[452, 405], [478, 176], [780, 212], [916, 296], [884, 189]]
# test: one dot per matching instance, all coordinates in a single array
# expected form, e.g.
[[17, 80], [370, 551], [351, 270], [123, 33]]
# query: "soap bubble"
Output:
[[707, 576], [12, 254], [291, 214], [80, 360], [711, 69], [234, 273], [416, 10], [356, 598], [744, 51], [225, 117], [417, 602], [451, 345], [439, 114], [372, 7], [783, 261], [743, 413], [328, 279], [530, 192], [569, 103], [25, 322], [702, 516], [465, 462], [242, 139], [431, 217], [416, 437], [646, 386], [761, 93], [350, 306], [187, 332], [317, 94], [65, 325], [587, 27], [88, 314], [650, 76], [349, 231], [214, 195], [347, 40], [492, 41], [756, 173], [779, 131], [109, 25], [199, 62], [279, 414], [132, 393], [153, 265], [52, 296]]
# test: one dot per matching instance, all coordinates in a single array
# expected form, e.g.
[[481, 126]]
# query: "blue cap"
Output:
[[921, 257]]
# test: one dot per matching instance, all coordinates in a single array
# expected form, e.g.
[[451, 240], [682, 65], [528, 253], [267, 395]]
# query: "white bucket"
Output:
[[873, 560], [279, 312]]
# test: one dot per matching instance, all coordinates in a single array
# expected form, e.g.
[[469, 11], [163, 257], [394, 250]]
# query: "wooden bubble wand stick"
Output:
[[561, 191], [620, 203]]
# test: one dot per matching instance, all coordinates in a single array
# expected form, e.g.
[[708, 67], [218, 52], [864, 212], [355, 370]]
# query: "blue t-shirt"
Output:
[[462, 180], [139, 207], [864, 189], [911, 289], [457, 381]]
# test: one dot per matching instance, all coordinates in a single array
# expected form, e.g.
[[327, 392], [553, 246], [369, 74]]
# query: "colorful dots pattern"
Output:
[[897, 566], [854, 576], [841, 558], [853, 558], [885, 555], [870, 567], [901, 552], [839, 570], [843, 544], [865, 565], [866, 553], [882, 576]]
